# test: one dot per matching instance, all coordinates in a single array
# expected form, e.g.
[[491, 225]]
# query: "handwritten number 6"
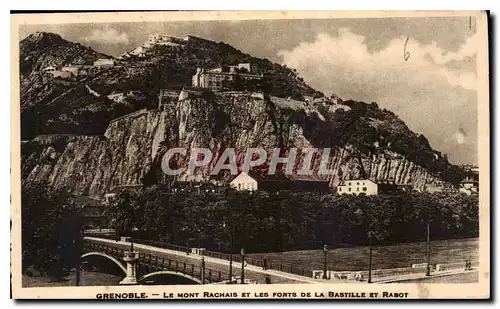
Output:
[[406, 54]]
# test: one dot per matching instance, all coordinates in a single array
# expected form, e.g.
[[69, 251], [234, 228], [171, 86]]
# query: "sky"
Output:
[[422, 69]]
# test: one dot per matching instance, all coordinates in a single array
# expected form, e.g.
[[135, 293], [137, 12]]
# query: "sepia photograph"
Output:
[[250, 154]]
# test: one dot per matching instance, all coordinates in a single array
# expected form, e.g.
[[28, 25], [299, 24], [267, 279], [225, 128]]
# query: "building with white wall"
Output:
[[244, 182], [214, 78], [469, 186], [358, 186], [104, 63]]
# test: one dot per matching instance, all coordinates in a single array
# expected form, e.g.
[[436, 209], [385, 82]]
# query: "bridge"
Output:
[[147, 261]]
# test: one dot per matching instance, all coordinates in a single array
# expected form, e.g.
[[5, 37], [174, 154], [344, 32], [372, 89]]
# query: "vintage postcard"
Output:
[[250, 155]]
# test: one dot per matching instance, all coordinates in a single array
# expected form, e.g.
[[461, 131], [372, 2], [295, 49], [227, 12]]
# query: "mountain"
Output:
[[86, 104], [103, 129], [42, 49]]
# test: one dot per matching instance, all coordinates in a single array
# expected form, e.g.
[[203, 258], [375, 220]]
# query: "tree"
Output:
[[50, 225]]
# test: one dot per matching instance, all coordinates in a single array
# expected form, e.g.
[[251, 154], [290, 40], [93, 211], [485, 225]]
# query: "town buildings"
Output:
[[216, 78], [64, 72], [469, 186], [370, 187], [254, 180], [92, 212], [440, 187]]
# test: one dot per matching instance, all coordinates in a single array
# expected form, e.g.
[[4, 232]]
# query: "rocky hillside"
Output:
[[52, 105], [74, 135], [130, 152], [42, 49]]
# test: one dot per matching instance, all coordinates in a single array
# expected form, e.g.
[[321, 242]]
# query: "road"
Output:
[[251, 272], [464, 277]]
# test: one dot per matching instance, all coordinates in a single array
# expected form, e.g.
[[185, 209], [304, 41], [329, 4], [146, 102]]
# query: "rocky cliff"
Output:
[[111, 126], [131, 149]]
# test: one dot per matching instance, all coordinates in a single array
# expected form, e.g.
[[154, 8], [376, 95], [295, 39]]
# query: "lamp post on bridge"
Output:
[[242, 266], [202, 270], [428, 258], [370, 257], [130, 259], [325, 252], [79, 254], [230, 252]]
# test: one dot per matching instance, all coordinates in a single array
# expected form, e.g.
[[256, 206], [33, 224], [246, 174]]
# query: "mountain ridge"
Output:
[[87, 105]]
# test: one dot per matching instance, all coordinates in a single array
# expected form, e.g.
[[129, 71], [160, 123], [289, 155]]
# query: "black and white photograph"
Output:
[[160, 155]]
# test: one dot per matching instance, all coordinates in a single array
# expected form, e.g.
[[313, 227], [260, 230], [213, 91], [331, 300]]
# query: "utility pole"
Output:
[[428, 268], [202, 270], [325, 253], [231, 257], [370, 258], [242, 266], [79, 254]]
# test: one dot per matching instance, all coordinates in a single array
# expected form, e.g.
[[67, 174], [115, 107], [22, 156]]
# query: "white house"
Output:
[[104, 63], [469, 186], [244, 182], [50, 69], [357, 187], [73, 69]]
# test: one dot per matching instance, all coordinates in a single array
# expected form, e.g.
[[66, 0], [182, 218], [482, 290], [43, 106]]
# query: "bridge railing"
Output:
[[194, 270], [291, 269], [160, 244], [236, 257], [260, 262]]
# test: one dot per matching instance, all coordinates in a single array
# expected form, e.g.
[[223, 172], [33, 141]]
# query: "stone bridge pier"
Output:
[[130, 258]]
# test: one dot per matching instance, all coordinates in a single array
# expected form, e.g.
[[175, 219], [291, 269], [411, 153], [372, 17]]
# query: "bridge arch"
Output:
[[169, 272], [108, 257]]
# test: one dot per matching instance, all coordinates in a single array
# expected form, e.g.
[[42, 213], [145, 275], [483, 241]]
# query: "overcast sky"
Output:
[[433, 89]]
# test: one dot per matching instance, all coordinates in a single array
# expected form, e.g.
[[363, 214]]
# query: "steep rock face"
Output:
[[131, 150]]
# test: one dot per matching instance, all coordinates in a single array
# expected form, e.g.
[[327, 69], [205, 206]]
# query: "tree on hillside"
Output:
[[50, 225]]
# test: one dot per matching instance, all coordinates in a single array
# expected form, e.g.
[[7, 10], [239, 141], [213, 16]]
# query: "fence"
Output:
[[193, 270], [159, 263], [288, 268]]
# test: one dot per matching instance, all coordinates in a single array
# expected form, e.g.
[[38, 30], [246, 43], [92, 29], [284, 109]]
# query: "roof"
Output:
[[230, 73], [367, 179], [310, 178], [469, 181], [262, 177]]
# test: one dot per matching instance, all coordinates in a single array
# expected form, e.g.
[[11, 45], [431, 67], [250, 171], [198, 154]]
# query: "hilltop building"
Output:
[[162, 39], [166, 97], [215, 78], [104, 63], [64, 72]]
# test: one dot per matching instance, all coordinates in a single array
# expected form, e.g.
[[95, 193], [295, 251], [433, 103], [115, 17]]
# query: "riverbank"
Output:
[[86, 279], [383, 257]]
